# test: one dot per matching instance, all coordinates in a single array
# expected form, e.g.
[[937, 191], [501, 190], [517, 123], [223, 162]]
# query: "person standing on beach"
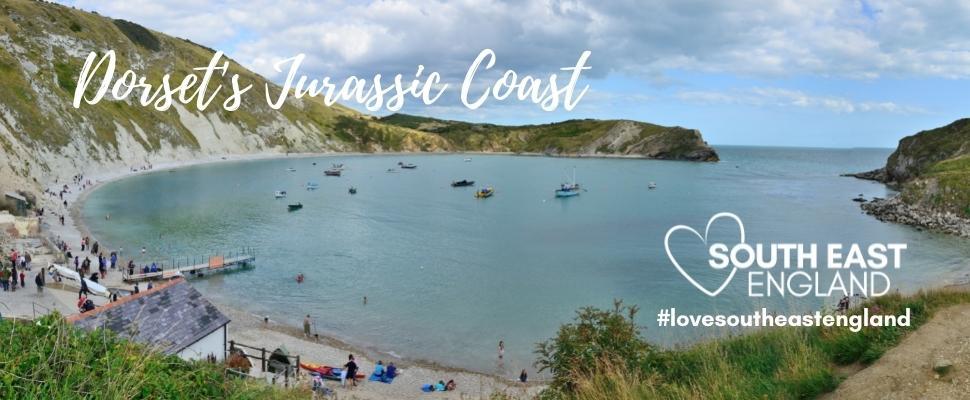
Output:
[[501, 349], [306, 326], [351, 368]]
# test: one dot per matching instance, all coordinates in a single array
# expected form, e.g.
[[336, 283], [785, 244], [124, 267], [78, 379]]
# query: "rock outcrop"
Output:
[[931, 170]]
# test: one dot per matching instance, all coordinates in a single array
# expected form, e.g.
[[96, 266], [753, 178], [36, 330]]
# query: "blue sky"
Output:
[[824, 73]]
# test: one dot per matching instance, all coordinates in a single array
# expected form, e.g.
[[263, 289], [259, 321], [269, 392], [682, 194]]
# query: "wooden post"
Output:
[[263, 358], [296, 370]]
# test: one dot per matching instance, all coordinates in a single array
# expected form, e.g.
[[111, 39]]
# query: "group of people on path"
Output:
[[15, 275]]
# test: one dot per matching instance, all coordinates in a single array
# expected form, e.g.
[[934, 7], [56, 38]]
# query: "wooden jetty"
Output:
[[193, 266]]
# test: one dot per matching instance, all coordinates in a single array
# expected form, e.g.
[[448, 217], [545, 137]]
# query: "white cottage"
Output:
[[172, 318]]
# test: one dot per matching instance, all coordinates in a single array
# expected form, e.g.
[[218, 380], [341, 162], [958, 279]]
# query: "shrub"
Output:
[[596, 337], [138, 35]]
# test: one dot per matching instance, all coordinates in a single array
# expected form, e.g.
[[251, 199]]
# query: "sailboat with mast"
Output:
[[569, 189]]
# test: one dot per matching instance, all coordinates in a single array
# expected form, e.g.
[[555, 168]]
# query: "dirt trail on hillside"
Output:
[[906, 371]]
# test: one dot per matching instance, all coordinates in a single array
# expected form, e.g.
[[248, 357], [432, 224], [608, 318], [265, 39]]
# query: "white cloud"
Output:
[[778, 97], [825, 37]]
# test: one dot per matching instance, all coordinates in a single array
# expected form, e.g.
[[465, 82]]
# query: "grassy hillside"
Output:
[[602, 357], [50, 359], [573, 137], [43, 50]]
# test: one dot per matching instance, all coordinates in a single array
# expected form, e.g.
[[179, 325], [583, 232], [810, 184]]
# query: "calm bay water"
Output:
[[447, 276]]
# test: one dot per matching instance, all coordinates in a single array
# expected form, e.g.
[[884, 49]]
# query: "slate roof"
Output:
[[169, 318]]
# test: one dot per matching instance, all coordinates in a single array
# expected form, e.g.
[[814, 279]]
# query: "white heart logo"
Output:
[[704, 239]]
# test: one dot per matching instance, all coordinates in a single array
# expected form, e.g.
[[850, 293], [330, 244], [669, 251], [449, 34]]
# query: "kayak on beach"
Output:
[[325, 371]]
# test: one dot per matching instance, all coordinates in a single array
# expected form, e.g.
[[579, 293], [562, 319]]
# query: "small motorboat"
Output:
[[652, 186], [860, 199], [332, 172], [484, 192], [291, 169], [326, 371], [468, 160], [279, 194], [294, 207], [312, 186], [407, 166], [462, 183], [352, 190]]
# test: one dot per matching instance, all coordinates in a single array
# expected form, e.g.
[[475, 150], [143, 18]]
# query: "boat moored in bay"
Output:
[[569, 189], [484, 192]]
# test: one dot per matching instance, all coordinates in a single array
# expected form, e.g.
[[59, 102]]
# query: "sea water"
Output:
[[447, 276]]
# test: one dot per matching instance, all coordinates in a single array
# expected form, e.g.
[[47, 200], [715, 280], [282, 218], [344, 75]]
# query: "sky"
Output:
[[820, 73]]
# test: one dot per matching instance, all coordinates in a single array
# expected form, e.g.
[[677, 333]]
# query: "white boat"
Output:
[[652, 185], [291, 169], [569, 189], [73, 278], [312, 186], [468, 160], [279, 194]]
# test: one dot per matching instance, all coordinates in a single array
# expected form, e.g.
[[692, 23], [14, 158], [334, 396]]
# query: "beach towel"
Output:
[[427, 388], [377, 378]]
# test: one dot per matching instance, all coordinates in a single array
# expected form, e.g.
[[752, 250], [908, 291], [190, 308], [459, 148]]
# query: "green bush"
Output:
[[595, 337]]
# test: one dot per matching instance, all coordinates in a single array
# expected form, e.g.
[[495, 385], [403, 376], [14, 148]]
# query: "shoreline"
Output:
[[75, 228]]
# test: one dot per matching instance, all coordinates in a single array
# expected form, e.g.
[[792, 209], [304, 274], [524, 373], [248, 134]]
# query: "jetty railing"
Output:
[[191, 264]]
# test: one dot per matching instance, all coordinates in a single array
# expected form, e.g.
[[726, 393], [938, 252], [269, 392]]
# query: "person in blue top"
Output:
[[379, 371]]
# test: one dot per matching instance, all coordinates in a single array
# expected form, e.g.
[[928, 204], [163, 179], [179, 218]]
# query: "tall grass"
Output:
[[50, 359], [775, 363]]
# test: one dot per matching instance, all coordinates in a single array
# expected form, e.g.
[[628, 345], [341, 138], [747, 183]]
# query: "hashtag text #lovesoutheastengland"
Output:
[[668, 317]]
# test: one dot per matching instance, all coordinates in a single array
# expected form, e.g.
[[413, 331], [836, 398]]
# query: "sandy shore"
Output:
[[250, 329]]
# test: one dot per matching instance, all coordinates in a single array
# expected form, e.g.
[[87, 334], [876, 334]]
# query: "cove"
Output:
[[447, 276]]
